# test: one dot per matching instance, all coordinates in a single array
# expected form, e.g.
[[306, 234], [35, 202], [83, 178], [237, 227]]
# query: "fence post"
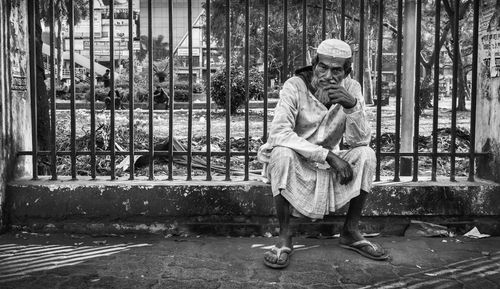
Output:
[[488, 94]]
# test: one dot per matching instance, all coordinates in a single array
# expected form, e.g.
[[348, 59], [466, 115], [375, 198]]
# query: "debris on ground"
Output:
[[425, 229], [475, 234]]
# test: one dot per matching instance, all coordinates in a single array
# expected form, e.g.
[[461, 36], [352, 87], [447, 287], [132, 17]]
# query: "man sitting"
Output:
[[309, 175]]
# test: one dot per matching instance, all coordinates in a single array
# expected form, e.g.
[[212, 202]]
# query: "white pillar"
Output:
[[408, 85]]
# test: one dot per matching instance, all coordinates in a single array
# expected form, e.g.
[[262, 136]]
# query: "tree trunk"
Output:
[[60, 61], [367, 61], [43, 117], [462, 82]]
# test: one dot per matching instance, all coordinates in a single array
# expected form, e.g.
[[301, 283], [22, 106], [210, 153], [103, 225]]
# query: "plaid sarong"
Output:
[[312, 188]]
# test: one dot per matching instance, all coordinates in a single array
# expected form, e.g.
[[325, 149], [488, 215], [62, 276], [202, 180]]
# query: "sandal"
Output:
[[361, 248], [277, 252]]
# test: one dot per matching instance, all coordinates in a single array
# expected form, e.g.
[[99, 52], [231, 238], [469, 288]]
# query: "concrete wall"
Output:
[[488, 93], [15, 120]]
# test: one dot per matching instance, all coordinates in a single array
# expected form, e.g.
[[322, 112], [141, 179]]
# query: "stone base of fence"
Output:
[[236, 208]]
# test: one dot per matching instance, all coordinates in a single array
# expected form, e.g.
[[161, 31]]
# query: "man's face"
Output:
[[329, 70]]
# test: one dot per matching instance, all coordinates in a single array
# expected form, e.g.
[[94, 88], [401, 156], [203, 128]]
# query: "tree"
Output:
[[43, 15], [160, 48]]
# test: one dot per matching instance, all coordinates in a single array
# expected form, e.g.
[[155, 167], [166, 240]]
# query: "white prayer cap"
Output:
[[335, 48]]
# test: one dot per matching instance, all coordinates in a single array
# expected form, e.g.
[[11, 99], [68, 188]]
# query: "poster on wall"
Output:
[[489, 43], [18, 43]]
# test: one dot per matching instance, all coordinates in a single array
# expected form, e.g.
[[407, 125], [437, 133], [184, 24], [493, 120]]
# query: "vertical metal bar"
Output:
[[208, 98], [435, 110], [379, 84], [131, 89], [304, 33], [266, 76], [323, 21], [92, 94], [247, 67], [228, 90], [285, 41], [31, 5], [171, 90], [112, 86], [53, 163], [454, 89], [190, 80], [399, 52], [342, 21], [361, 40], [417, 92], [71, 19], [150, 83], [475, 42]]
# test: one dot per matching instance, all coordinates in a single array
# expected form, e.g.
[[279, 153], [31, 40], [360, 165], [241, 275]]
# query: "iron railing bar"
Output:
[[112, 87], [247, 67], [379, 86], [223, 153], [417, 92], [150, 84], [397, 144], [342, 20], [53, 163], [93, 167], [31, 6], [131, 89], [190, 101], [435, 112], [171, 88], [361, 41], [266, 76], [71, 9], [454, 89], [208, 97], [284, 76], [323, 20], [228, 90], [475, 43], [304, 33]]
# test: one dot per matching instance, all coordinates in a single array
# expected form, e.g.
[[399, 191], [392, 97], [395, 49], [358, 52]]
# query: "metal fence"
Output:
[[341, 10]]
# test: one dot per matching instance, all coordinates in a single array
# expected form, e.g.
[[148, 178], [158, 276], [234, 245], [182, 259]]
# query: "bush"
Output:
[[100, 93], [82, 87], [181, 95], [218, 90], [273, 94]]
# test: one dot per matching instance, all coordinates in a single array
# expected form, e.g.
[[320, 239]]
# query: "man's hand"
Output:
[[342, 168], [339, 95]]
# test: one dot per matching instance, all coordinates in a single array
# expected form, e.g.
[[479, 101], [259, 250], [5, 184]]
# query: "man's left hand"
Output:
[[339, 95]]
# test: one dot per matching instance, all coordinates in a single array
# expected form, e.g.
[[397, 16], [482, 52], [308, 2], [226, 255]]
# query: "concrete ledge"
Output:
[[232, 207]]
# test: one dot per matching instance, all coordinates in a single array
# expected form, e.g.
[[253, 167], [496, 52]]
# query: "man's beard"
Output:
[[321, 94]]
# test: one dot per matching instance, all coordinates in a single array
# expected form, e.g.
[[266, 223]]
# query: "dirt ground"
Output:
[[237, 133]]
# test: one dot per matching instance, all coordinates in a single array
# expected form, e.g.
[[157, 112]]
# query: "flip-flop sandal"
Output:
[[278, 251], [359, 245]]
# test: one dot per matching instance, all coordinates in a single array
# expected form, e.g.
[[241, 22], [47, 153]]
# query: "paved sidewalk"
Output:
[[154, 261]]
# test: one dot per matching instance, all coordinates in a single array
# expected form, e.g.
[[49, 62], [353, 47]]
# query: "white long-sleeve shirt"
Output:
[[305, 125]]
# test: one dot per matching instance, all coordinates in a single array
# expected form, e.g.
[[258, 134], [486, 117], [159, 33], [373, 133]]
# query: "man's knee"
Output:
[[366, 154], [281, 154]]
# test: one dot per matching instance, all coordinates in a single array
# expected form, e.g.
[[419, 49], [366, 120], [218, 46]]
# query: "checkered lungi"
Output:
[[313, 189]]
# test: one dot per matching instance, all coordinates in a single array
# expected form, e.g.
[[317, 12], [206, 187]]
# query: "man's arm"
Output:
[[282, 128], [357, 128]]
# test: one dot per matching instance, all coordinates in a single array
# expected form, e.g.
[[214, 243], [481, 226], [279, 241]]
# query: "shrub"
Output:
[[82, 87], [181, 95], [100, 94], [273, 94], [218, 90]]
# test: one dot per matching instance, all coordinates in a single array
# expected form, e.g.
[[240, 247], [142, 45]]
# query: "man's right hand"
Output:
[[342, 168]]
